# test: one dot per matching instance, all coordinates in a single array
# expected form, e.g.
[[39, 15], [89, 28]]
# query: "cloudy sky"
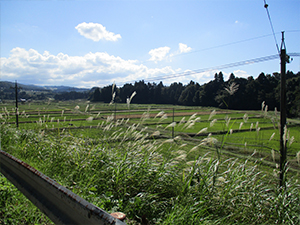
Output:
[[96, 43]]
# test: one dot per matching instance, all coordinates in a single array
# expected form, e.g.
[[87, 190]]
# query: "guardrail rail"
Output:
[[61, 205]]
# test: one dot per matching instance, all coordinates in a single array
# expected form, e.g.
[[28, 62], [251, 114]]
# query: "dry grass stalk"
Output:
[[202, 130], [232, 88], [272, 136], [212, 122], [173, 124], [212, 114]]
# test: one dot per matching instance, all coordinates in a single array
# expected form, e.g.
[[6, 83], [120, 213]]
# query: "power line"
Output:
[[266, 7], [221, 67]]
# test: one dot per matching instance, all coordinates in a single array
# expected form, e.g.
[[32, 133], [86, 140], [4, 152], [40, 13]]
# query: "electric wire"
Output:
[[266, 7], [221, 67]]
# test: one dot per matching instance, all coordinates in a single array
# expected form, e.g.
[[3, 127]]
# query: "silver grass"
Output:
[[209, 141], [262, 106], [273, 155], [232, 88], [190, 125], [291, 140], [155, 133], [285, 133], [86, 108], [159, 114], [183, 145], [180, 152], [298, 157], [89, 119], [177, 138], [164, 117], [113, 87], [195, 148], [272, 136], [168, 141], [245, 117], [202, 130], [182, 120], [213, 122], [173, 124], [257, 131], [256, 126], [181, 157], [251, 126], [241, 124], [212, 114], [192, 117], [227, 120], [128, 100]]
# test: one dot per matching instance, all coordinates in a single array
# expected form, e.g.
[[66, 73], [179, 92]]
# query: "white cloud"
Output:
[[96, 32], [159, 54], [92, 69], [183, 48]]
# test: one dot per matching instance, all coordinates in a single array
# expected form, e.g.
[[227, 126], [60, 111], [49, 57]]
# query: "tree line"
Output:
[[235, 93]]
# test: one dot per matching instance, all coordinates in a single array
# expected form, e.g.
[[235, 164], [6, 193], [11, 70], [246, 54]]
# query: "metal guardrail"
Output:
[[61, 205]]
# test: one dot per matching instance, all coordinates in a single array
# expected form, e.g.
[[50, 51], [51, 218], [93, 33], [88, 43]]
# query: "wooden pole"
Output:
[[17, 109], [283, 151], [173, 126]]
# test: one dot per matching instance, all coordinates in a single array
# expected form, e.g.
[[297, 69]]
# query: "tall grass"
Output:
[[153, 181]]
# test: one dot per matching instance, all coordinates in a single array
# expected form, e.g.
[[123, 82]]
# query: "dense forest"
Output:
[[235, 93]]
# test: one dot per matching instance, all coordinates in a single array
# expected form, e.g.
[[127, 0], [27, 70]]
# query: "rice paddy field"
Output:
[[158, 164]]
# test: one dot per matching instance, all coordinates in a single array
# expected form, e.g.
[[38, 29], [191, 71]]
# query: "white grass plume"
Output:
[[262, 106], [112, 98], [86, 108], [155, 133], [164, 117], [212, 122], [113, 87], [202, 130], [241, 124], [273, 155], [272, 136], [232, 88], [291, 140], [173, 124], [182, 120], [128, 100], [190, 125], [90, 119], [227, 120], [212, 114], [159, 114], [209, 141], [245, 117], [192, 117]]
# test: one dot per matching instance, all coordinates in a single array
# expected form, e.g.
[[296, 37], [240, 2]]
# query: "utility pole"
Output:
[[17, 109], [284, 58], [173, 126]]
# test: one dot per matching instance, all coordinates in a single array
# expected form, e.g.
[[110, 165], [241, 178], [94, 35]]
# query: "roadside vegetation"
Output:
[[200, 166]]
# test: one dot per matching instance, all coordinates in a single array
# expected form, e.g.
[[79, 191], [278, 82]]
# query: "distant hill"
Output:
[[34, 92], [5, 85]]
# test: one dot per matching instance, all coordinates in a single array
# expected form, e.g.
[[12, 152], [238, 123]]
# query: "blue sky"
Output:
[[96, 43]]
